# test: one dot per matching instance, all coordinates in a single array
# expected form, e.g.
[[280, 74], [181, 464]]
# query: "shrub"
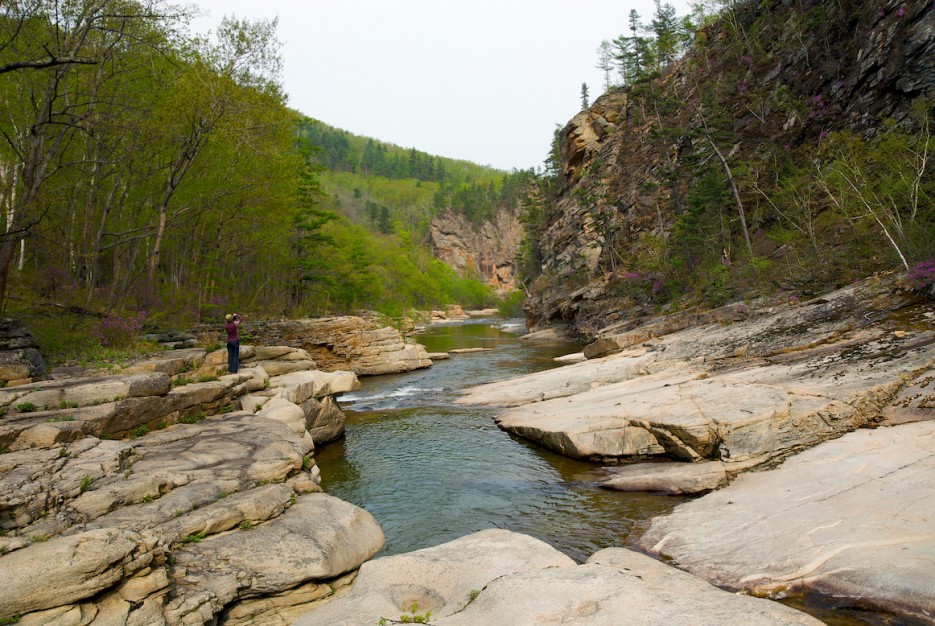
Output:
[[117, 331], [922, 275]]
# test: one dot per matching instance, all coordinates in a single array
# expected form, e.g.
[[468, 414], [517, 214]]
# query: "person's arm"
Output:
[[238, 318]]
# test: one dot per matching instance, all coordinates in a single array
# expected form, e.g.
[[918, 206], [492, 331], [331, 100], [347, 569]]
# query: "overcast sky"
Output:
[[481, 80]]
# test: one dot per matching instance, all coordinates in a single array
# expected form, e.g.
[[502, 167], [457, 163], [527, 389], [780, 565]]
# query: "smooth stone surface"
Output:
[[438, 579], [851, 518], [617, 586], [670, 478]]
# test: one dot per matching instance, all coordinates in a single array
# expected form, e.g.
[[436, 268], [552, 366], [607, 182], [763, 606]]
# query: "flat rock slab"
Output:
[[501, 577], [851, 518], [670, 478], [618, 586], [438, 579], [756, 412]]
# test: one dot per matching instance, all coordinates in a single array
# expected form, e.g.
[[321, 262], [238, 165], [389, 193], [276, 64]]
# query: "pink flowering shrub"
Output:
[[922, 275], [115, 331]]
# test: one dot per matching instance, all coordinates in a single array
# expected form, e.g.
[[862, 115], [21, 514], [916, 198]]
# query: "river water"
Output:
[[431, 471]]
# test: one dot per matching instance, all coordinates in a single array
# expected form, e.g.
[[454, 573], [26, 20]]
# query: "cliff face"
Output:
[[760, 91], [486, 250]]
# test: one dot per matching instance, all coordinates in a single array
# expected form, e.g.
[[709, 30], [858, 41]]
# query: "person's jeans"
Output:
[[233, 356]]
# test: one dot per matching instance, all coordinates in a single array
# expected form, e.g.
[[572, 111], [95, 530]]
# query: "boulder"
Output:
[[346, 343], [438, 579], [670, 478], [325, 419], [89, 391], [317, 539], [298, 387], [72, 568], [849, 519], [278, 368], [20, 359]]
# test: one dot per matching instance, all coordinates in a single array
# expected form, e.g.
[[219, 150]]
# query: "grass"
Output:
[[26, 407], [62, 418], [193, 538], [85, 483], [192, 419]]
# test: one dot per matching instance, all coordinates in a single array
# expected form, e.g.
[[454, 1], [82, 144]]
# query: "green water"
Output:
[[430, 470]]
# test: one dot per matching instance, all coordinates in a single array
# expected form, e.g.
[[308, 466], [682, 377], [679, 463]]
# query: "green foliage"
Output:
[[195, 538], [512, 304], [245, 525], [85, 483], [26, 407], [192, 419], [412, 617], [139, 431]]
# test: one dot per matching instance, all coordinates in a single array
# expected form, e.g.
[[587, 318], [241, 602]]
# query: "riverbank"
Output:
[[777, 387]]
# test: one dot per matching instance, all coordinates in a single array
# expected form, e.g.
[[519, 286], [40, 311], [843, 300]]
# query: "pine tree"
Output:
[[605, 61], [585, 103]]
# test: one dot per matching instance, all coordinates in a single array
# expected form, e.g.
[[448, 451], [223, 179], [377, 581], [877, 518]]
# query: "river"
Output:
[[430, 471]]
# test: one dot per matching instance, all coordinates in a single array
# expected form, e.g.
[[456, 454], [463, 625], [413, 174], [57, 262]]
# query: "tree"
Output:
[[584, 97], [666, 27], [56, 59], [605, 62]]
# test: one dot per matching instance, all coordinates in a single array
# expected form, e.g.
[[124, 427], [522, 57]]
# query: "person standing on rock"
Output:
[[233, 342]]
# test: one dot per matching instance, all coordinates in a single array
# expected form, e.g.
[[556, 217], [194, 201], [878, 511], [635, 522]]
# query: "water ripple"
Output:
[[431, 471]]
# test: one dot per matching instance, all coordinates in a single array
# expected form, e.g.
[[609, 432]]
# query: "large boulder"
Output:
[[68, 569], [20, 359], [350, 343], [849, 519], [439, 579], [317, 539], [615, 583]]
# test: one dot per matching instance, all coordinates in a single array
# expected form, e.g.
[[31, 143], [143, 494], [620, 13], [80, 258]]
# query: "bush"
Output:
[[117, 331], [922, 276]]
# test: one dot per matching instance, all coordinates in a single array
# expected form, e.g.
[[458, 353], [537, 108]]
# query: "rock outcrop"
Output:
[[632, 161], [847, 519], [350, 343], [497, 576], [20, 359], [845, 515], [487, 250], [125, 499], [744, 393]]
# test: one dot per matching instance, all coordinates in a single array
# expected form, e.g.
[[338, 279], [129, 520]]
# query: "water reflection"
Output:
[[431, 471]]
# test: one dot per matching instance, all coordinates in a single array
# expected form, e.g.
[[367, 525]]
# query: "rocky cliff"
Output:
[[753, 102], [486, 250]]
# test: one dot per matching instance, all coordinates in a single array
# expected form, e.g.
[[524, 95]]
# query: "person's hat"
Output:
[[228, 317]]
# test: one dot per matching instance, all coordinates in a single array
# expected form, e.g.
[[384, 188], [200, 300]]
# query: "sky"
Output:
[[486, 81]]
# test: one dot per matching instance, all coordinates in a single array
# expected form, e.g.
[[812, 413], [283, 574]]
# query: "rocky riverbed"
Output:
[[831, 400], [170, 494]]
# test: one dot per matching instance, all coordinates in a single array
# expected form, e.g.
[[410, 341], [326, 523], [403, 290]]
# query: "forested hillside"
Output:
[[788, 151], [148, 177]]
